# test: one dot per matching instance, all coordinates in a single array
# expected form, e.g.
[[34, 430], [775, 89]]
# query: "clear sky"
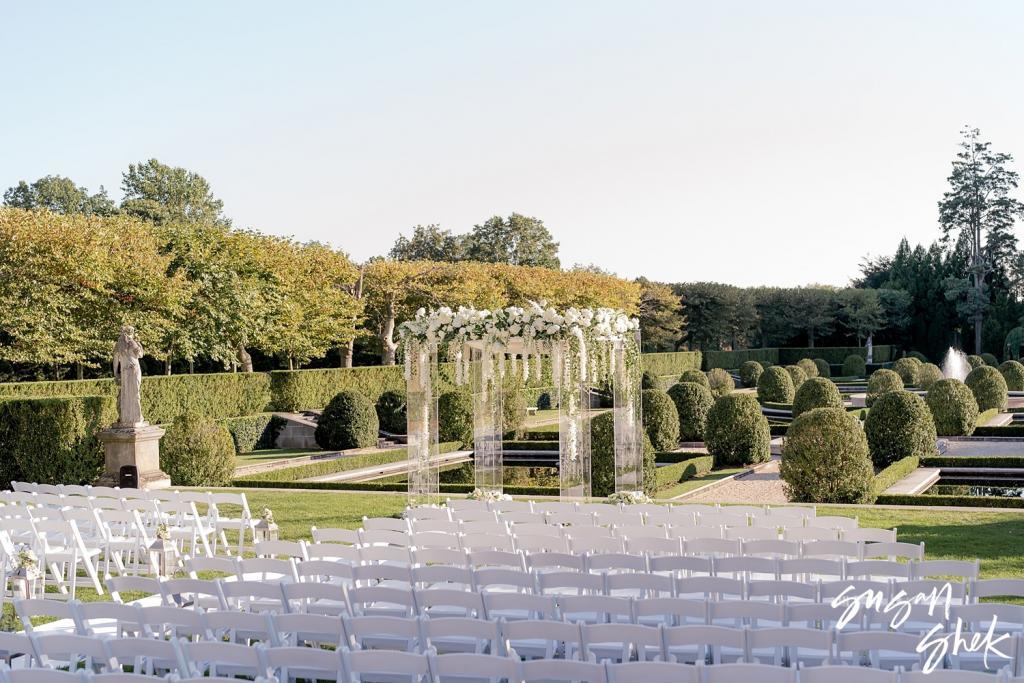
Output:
[[763, 142]]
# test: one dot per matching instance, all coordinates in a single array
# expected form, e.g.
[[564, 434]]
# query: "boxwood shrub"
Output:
[[953, 407], [720, 382], [816, 392], [661, 419], [797, 374], [750, 372], [975, 361], [908, 369], [1013, 374], [693, 403], [881, 382], [196, 451], [854, 366], [825, 459], [695, 376], [648, 381], [899, 425], [348, 421], [809, 367], [253, 432], [737, 433], [775, 386], [988, 386], [990, 360], [928, 375], [53, 440], [824, 369], [602, 458]]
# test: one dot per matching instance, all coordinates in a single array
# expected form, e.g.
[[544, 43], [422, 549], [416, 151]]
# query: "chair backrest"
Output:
[[894, 551], [385, 663], [462, 666], [512, 606], [344, 536], [741, 673]]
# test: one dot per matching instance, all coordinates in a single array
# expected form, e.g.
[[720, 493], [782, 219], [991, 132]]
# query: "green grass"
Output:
[[697, 482], [273, 454]]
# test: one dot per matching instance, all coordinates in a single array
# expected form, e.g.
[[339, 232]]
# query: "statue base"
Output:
[[137, 446]]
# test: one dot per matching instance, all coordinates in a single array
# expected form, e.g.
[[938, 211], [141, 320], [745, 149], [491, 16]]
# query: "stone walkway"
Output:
[[757, 488]]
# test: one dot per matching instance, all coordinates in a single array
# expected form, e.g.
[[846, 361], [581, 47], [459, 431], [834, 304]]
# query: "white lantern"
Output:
[[163, 557]]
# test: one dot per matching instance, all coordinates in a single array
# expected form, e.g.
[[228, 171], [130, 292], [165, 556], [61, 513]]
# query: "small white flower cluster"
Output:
[[267, 515], [27, 560], [489, 495], [629, 498]]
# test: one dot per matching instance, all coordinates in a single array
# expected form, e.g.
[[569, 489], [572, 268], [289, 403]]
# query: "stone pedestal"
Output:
[[138, 446]]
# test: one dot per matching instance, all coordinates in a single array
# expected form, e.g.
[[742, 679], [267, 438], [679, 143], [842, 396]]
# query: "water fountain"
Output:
[[955, 365]]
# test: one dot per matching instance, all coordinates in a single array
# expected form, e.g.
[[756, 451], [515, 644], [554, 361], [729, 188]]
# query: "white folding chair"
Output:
[[108, 619], [373, 665], [595, 609], [739, 673], [223, 517], [893, 551], [194, 593], [790, 646], [341, 536], [148, 656], [288, 664], [741, 613], [639, 585], [244, 628], [381, 601], [670, 611], [517, 606], [472, 666], [459, 634], [709, 587], [533, 639], [869, 535], [448, 602], [253, 596], [309, 630], [505, 580], [653, 672], [621, 642], [714, 644], [212, 658], [570, 583], [69, 651], [881, 649], [173, 623]]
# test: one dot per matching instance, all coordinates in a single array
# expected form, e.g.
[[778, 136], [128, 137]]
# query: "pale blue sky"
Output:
[[745, 142]]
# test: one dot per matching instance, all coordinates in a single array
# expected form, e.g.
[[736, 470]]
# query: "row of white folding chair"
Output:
[[458, 505], [60, 548]]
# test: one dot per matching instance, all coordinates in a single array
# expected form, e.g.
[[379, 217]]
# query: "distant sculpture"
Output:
[[128, 375], [244, 359], [871, 350]]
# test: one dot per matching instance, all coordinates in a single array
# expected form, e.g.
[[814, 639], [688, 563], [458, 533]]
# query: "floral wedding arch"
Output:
[[586, 347]]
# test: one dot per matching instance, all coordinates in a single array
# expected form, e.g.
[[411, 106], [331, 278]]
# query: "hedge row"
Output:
[[1013, 461], [344, 464], [253, 432], [670, 475], [663, 364], [894, 472], [959, 501], [397, 487], [1002, 430], [834, 355], [669, 457], [530, 445], [730, 360]]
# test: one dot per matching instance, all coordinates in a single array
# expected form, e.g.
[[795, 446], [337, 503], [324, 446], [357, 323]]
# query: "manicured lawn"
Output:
[[696, 482], [273, 454]]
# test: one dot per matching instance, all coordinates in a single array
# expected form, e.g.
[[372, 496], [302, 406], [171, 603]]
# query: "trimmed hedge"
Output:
[[391, 411], [883, 353], [824, 369], [648, 381], [295, 390], [602, 458], [734, 359], [854, 365], [817, 392], [1011, 430], [660, 419], [975, 361], [53, 440], [809, 367], [953, 408], [882, 382], [253, 432], [894, 472], [455, 417], [953, 501], [693, 403], [988, 387], [750, 372], [928, 375], [797, 374], [720, 382], [825, 459], [196, 451], [667, 476], [348, 421], [1014, 461], [909, 370], [899, 425], [671, 363], [697, 377], [737, 433], [1013, 374], [775, 386]]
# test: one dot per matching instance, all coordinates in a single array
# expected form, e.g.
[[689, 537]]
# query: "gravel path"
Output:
[[760, 487]]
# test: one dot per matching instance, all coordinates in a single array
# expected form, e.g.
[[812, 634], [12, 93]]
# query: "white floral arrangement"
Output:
[[267, 515], [27, 561], [162, 532], [488, 495], [629, 498]]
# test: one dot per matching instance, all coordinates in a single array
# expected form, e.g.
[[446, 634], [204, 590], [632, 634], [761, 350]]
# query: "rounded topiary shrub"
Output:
[[824, 369], [908, 369], [196, 451], [990, 360], [391, 413], [693, 403], [513, 410], [455, 418], [348, 421], [918, 355], [825, 459], [882, 382], [899, 425], [1013, 374], [750, 372], [648, 381], [809, 367], [975, 361], [854, 365], [817, 392], [695, 376], [544, 401], [988, 387], [775, 386], [954, 410], [928, 375], [737, 433], [720, 382], [797, 374], [602, 458], [661, 419]]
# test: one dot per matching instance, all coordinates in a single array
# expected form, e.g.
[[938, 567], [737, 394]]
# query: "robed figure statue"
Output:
[[128, 375]]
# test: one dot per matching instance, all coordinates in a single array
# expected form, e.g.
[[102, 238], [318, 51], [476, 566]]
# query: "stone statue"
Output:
[[871, 350], [128, 375], [244, 359]]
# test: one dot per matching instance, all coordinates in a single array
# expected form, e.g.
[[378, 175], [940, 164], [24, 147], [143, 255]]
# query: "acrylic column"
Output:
[[421, 409], [568, 370], [626, 407], [485, 375]]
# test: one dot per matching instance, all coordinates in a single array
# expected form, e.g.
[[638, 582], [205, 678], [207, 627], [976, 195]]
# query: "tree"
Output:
[[861, 311], [160, 193], [812, 310], [518, 240], [979, 210], [59, 195], [717, 314], [429, 243], [661, 319]]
